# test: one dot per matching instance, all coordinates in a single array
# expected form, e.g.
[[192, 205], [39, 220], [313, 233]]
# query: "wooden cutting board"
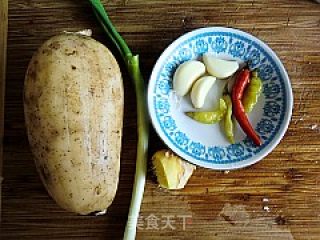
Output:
[[3, 58], [277, 198]]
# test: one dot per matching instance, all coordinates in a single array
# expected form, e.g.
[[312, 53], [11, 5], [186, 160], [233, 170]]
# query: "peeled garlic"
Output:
[[200, 90], [186, 74], [218, 67], [172, 172]]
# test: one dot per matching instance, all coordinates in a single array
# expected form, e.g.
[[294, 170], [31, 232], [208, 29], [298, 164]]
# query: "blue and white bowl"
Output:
[[206, 145]]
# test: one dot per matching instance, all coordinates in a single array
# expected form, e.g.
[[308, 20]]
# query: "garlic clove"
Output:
[[186, 74], [200, 90], [218, 67]]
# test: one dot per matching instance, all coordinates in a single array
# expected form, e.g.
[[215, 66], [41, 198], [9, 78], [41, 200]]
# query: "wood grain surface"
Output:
[[3, 58], [277, 198]]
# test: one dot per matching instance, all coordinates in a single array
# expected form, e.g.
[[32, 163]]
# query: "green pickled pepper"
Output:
[[252, 93], [228, 123], [210, 117]]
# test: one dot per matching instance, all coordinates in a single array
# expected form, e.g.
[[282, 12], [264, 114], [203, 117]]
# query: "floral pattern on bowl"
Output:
[[198, 147]]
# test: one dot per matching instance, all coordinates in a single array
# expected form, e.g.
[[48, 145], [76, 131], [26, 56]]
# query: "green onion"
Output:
[[132, 64]]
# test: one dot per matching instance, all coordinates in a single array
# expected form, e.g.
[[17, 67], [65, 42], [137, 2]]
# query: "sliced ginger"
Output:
[[172, 172]]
